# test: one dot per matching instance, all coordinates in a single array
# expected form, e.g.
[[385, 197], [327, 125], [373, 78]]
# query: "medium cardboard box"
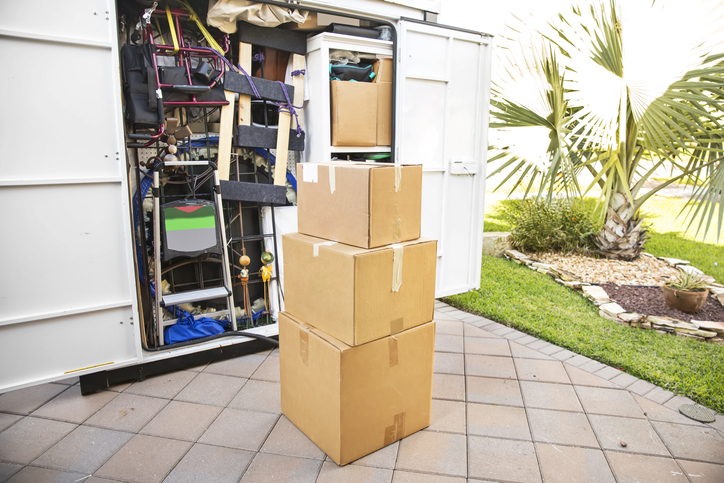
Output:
[[362, 204], [383, 79], [351, 401], [354, 113], [358, 295]]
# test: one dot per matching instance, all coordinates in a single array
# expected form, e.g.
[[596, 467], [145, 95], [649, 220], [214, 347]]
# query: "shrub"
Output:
[[557, 226]]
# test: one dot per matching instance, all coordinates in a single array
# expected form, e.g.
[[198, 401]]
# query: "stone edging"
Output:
[[702, 330]]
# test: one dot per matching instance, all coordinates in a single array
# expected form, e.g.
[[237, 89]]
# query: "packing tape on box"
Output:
[[304, 345], [397, 430], [392, 345], [397, 252], [315, 247], [396, 326], [332, 180], [310, 173], [398, 177], [397, 222]]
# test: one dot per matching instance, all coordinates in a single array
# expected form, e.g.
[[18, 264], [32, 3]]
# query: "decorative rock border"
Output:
[[702, 330]]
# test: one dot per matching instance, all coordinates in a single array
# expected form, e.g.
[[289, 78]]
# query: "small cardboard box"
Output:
[[383, 79], [354, 113], [351, 401], [362, 204], [358, 295]]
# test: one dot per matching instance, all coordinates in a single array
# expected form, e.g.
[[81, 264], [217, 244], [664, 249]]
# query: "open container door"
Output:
[[443, 95], [67, 290]]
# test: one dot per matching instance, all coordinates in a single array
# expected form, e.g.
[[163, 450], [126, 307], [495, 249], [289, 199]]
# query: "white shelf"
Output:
[[359, 149], [318, 147]]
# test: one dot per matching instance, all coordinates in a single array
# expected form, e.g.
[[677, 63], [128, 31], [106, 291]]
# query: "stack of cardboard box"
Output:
[[357, 339]]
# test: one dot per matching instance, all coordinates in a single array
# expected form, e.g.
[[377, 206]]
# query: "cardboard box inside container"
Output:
[[362, 204], [383, 79], [351, 401], [354, 113], [349, 292]]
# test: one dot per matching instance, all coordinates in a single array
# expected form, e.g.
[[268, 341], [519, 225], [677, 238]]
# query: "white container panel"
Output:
[[65, 346], [424, 124], [65, 256], [51, 124]]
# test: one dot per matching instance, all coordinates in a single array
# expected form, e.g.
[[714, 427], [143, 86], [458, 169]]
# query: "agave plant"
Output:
[[688, 282], [623, 88]]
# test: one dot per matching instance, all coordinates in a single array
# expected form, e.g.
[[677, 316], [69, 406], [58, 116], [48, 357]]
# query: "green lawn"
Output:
[[535, 304]]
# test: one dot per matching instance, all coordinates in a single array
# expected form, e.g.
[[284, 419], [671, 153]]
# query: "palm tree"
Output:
[[623, 88]]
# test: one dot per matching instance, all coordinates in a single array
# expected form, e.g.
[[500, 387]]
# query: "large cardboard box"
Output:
[[354, 113], [351, 401], [362, 204], [383, 79], [358, 295]]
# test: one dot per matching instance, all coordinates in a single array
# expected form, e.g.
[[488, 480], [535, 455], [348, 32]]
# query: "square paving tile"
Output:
[[692, 442], [703, 472], [408, 477], [502, 459], [7, 420], [182, 420], [211, 389], [144, 459], [448, 386], [165, 386], [657, 412], [30, 437], [582, 378], [549, 396], [624, 380], [448, 326], [71, 406], [566, 464], [286, 439], [127, 412], [447, 416], [493, 391], [560, 427], [543, 371], [489, 366], [25, 401], [550, 349], [592, 366], [448, 363], [498, 421], [608, 373], [641, 387], [268, 467], [430, 452], [613, 402], [84, 450], [243, 366], [8, 469], [210, 463], [637, 468], [659, 395], [637, 434], [520, 351], [448, 343], [563, 355], [259, 396], [240, 429], [268, 370], [382, 458], [490, 347], [472, 331], [331, 473], [34, 474]]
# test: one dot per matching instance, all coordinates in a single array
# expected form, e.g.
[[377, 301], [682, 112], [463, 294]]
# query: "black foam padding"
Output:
[[338, 28], [282, 39], [254, 192], [268, 90], [264, 137]]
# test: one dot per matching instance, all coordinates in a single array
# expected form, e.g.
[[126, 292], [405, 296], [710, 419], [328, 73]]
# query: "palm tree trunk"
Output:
[[621, 237]]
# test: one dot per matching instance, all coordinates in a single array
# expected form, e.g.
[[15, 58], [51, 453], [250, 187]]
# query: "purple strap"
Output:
[[251, 82], [298, 72], [289, 107], [258, 57]]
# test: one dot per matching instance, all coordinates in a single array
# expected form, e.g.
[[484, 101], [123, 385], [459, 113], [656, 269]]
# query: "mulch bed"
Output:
[[650, 301]]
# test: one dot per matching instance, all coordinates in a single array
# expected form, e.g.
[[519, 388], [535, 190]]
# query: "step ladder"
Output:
[[225, 291]]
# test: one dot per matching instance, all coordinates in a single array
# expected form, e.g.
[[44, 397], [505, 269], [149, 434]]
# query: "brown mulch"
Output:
[[650, 301]]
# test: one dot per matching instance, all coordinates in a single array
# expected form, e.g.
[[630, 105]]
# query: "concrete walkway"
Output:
[[506, 407]]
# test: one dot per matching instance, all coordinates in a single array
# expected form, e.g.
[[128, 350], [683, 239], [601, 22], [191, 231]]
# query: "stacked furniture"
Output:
[[357, 338]]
